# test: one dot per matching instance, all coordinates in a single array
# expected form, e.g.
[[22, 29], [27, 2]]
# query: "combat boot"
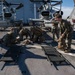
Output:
[[66, 51], [60, 46]]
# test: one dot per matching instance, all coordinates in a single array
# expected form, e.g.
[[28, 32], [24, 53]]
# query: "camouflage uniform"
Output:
[[8, 39], [36, 34], [24, 32], [66, 29], [55, 29]]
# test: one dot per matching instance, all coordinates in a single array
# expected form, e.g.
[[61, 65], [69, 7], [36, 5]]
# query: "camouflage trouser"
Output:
[[69, 40], [55, 32], [36, 38], [64, 44]]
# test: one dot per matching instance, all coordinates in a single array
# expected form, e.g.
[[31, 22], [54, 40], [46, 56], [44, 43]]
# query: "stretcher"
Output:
[[54, 56]]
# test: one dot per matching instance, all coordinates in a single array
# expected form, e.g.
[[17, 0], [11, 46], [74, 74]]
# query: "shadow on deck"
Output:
[[18, 56]]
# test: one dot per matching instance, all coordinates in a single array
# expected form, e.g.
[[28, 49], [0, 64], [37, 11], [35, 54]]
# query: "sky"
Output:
[[67, 7]]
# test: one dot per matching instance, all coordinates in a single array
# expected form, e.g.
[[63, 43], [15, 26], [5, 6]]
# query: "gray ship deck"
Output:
[[33, 61]]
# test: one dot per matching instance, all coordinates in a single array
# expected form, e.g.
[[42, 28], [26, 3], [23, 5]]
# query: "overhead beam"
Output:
[[57, 3], [39, 0]]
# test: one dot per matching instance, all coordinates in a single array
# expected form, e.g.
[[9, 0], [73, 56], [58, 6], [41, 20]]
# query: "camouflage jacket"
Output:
[[55, 23], [65, 26]]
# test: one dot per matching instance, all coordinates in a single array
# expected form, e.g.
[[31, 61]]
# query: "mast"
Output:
[[35, 10]]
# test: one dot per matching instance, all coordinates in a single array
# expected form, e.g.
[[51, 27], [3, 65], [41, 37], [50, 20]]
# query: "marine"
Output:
[[37, 34], [66, 31], [56, 27], [24, 32], [9, 38], [55, 30]]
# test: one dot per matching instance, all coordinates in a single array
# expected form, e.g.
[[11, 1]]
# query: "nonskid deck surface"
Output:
[[11, 54], [33, 61]]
